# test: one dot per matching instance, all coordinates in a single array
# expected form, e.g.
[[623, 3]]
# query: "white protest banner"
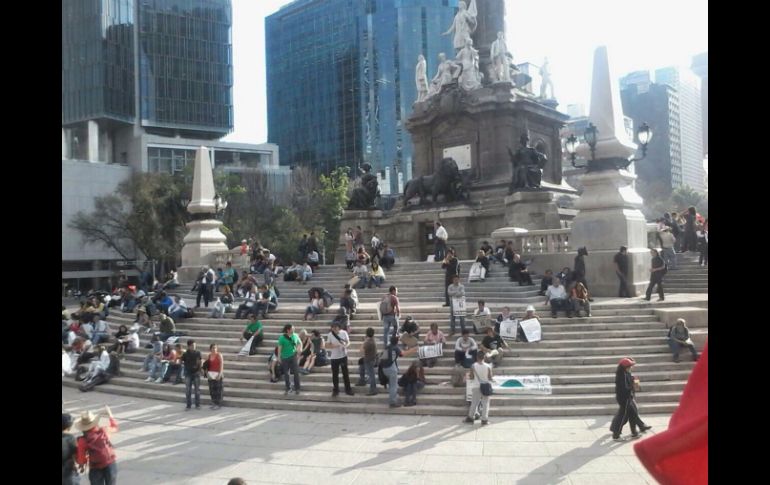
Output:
[[514, 385], [475, 272], [430, 351], [458, 306], [481, 322], [172, 340], [246, 348], [508, 328], [532, 329]]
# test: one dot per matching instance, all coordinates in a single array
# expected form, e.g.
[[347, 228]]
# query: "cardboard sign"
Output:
[[532, 329], [430, 351], [508, 328], [458, 306], [514, 385], [475, 273], [246, 348]]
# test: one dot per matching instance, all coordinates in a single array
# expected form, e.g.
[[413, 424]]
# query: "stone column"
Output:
[[93, 141], [491, 20], [65, 143]]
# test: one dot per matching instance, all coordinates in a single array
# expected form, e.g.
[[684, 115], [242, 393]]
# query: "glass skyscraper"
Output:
[[166, 62], [340, 78]]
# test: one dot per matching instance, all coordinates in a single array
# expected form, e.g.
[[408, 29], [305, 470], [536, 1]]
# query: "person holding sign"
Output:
[[521, 336], [481, 375], [434, 337], [456, 292], [481, 317], [493, 346], [465, 349], [503, 316]]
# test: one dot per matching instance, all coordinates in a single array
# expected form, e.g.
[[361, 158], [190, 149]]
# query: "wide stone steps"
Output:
[[299, 403]]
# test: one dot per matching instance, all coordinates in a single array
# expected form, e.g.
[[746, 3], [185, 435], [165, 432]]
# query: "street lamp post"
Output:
[[643, 134]]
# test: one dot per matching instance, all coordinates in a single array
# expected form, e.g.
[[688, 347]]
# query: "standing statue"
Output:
[[468, 57], [446, 73], [463, 25], [527, 166], [364, 196], [546, 80], [499, 54], [421, 78]]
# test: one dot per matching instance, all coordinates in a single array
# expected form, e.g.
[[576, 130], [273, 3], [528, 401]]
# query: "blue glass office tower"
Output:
[[340, 78], [164, 64]]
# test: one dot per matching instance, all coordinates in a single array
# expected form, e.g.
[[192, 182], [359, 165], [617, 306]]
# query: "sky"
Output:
[[639, 35]]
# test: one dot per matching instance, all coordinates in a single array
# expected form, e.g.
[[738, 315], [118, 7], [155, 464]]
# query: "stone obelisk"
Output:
[[204, 236], [609, 214]]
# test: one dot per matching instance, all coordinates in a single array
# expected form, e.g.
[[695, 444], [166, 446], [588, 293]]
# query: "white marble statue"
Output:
[[464, 24], [545, 82], [468, 58], [499, 54], [445, 74], [421, 78]]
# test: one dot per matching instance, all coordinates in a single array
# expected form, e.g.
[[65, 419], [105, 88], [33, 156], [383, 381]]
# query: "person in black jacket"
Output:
[[518, 271], [452, 266], [579, 273], [657, 272], [625, 390]]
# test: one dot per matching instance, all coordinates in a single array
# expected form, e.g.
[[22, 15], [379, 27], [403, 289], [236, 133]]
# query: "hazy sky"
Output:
[[645, 34]]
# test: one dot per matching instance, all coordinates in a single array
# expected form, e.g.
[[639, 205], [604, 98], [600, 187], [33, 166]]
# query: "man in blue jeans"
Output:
[[390, 312], [191, 360], [390, 367]]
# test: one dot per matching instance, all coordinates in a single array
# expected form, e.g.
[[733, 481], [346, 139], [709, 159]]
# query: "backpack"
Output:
[[458, 376], [327, 298], [382, 377], [386, 305]]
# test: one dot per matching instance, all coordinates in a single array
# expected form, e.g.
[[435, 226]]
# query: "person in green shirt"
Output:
[[290, 346], [253, 328], [228, 275]]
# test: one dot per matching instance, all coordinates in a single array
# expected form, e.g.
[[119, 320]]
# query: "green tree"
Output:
[[332, 198], [685, 196]]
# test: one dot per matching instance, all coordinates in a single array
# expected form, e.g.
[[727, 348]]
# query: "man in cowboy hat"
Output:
[[95, 448]]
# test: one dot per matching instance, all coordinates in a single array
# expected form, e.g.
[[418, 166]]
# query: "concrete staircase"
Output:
[[579, 354], [688, 277]]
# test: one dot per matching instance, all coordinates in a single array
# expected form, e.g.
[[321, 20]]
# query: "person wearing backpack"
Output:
[[390, 368], [390, 312], [95, 449], [657, 272]]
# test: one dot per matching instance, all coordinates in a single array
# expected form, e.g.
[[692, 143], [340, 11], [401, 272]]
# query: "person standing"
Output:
[[703, 244], [290, 346], [390, 368], [452, 268], [215, 374], [337, 342], [625, 390], [667, 241], [690, 237], [69, 449], [657, 272], [368, 363], [441, 238], [455, 290], [95, 449], [481, 373], [621, 269], [390, 311], [192, 361], [580, 266]]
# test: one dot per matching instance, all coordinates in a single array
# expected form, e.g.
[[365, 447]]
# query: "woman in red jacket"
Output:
[[95, 448]]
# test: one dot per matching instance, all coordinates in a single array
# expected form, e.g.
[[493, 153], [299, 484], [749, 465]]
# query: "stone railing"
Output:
[[552, 240]]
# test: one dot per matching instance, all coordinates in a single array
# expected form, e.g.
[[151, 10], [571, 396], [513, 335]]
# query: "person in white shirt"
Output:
[[556, 295], [312, 259], [100, 365], [305, 273], [481, 317], [481, 373], [440, 242], [337, 343], [178, 309], [465, 349]]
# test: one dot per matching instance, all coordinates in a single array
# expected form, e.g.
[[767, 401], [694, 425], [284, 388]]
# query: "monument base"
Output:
[[203, 238], [532, 210]]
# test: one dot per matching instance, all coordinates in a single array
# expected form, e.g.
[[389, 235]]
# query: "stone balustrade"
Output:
[[551, 240], [218, 259]]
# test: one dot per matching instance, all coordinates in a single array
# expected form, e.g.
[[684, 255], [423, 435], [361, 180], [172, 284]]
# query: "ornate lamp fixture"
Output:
[[643, 134]]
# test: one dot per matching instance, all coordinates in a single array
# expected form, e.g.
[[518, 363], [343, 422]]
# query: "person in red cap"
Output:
[[625, 388]]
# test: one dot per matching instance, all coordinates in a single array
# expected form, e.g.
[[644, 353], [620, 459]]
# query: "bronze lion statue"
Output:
[[446, 181], [364, 197]]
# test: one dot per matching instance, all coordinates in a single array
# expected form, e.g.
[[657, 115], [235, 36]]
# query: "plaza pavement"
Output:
[[161, 443]]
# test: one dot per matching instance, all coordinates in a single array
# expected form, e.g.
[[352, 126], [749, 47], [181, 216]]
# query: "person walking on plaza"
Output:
[[95, 449], [290, 347], [657, 272], [215, 374], [440, 240], [451, 269], [192, 361], [625, 390], [390, 311], [621, 269], [679, 337], [337, 342], [481, 374]]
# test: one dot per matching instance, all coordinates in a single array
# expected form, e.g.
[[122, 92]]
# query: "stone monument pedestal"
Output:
[[203, 238], [533, 210], [609, 217]]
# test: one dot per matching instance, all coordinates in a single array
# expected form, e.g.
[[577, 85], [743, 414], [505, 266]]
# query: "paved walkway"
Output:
[[159, 442]]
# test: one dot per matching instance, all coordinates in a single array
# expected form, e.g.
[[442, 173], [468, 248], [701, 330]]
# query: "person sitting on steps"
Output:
[[679, 338], [580, 298], [465, 349], [556, 296]]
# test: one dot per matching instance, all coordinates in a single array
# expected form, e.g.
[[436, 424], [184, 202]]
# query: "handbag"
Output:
[[486, 387], [213, 375]]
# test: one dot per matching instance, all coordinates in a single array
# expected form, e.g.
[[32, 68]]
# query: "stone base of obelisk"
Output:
[[203, 238]]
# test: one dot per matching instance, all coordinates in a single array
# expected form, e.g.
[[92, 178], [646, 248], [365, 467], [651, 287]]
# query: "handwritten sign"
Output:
[[430, 351], [508, 328], [514, 385], [458, 306], [532, 329]]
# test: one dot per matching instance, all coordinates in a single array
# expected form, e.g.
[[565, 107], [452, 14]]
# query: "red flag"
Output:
[[679, 455]]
